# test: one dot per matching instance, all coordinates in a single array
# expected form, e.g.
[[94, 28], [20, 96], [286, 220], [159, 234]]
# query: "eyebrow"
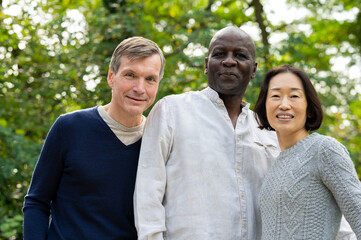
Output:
[[294, 89]]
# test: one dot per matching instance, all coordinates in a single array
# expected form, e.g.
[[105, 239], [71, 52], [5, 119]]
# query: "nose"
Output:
[[285, 104], [139, 86], [229, 61]]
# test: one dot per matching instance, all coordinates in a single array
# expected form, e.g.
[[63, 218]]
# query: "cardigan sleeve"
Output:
[[339, 175], [149, 212], [43, 186]]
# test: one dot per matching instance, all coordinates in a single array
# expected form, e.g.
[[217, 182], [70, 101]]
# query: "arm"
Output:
[[149, 212], [340, 177], [43, 187]]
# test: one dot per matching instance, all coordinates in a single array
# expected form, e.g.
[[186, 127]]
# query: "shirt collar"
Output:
[[214, 97]]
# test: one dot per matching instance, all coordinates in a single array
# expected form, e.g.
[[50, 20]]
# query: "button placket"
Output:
[[238, 168]]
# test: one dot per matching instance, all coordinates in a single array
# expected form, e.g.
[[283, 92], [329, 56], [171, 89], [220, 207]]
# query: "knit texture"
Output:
[[307, 189], [85, 177]]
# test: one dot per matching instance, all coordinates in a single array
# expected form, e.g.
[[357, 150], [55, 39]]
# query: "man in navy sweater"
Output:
[[85, 175]]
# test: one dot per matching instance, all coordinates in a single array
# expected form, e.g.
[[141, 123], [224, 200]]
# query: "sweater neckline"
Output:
[[300, 144], [111, 132]]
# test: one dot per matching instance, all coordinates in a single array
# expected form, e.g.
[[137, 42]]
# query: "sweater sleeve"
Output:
[[339, 175], [43, 186], [149, 212], [345, 232]]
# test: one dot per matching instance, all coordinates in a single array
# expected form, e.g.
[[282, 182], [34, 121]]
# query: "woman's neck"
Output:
[[288, 140]]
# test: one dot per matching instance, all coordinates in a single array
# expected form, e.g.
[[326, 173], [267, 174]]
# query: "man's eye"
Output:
[[240, 55], [129, 75], [151, 79], [294, 96], [218, 54]]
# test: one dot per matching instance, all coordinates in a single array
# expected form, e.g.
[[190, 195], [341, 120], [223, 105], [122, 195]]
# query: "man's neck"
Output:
[[127, 121], [233, 105]]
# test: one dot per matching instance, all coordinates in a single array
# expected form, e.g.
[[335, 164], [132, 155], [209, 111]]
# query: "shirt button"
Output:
[[238, 167], [238, 139], [144, 165], [242, 194], [225, 115], [244, 223], [219, 100]]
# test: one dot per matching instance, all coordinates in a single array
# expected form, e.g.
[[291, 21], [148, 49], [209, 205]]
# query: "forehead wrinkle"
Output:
[[224, 46]]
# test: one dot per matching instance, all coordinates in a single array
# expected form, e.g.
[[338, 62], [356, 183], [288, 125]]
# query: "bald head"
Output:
[[235, 30]]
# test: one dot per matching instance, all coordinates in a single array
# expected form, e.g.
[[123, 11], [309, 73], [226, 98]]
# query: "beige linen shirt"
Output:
[[198, 176]]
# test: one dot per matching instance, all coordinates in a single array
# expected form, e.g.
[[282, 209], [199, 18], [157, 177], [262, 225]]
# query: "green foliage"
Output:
[[48, 68], [17, 157], [11, 227]]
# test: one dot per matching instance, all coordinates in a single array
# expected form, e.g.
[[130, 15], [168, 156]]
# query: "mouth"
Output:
[[137, 99], [228, 74], [284, 116]]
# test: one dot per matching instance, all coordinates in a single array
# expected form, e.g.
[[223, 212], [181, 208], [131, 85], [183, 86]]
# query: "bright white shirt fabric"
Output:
[[198, 176], [126, 135]]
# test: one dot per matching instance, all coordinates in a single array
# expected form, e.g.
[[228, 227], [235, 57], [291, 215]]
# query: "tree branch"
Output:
[[209, 6], [258, 9]]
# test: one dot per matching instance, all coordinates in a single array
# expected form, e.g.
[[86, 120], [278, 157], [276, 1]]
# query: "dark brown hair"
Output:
[[314, 108]]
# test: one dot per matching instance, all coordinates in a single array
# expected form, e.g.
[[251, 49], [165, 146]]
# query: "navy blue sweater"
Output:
[[85, 178]]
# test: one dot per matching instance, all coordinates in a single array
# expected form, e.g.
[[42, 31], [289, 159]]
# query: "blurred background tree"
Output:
[[55, 54]]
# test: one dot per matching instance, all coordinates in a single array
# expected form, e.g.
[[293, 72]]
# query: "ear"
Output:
[[110, 77], [206, 66], [253, 75]]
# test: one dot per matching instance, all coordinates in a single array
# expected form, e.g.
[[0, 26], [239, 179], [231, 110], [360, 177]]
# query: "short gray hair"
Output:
[[136, 48]]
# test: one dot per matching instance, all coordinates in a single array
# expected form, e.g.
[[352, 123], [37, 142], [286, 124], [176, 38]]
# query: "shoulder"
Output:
[[330, 145], [266, 137], [331, 151], [78, 116], [175, 100], [87, 112], [81, 112]]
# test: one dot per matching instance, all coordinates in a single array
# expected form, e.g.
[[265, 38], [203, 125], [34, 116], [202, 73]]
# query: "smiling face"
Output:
[[231, 62], [134, 87], [286, 106]]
